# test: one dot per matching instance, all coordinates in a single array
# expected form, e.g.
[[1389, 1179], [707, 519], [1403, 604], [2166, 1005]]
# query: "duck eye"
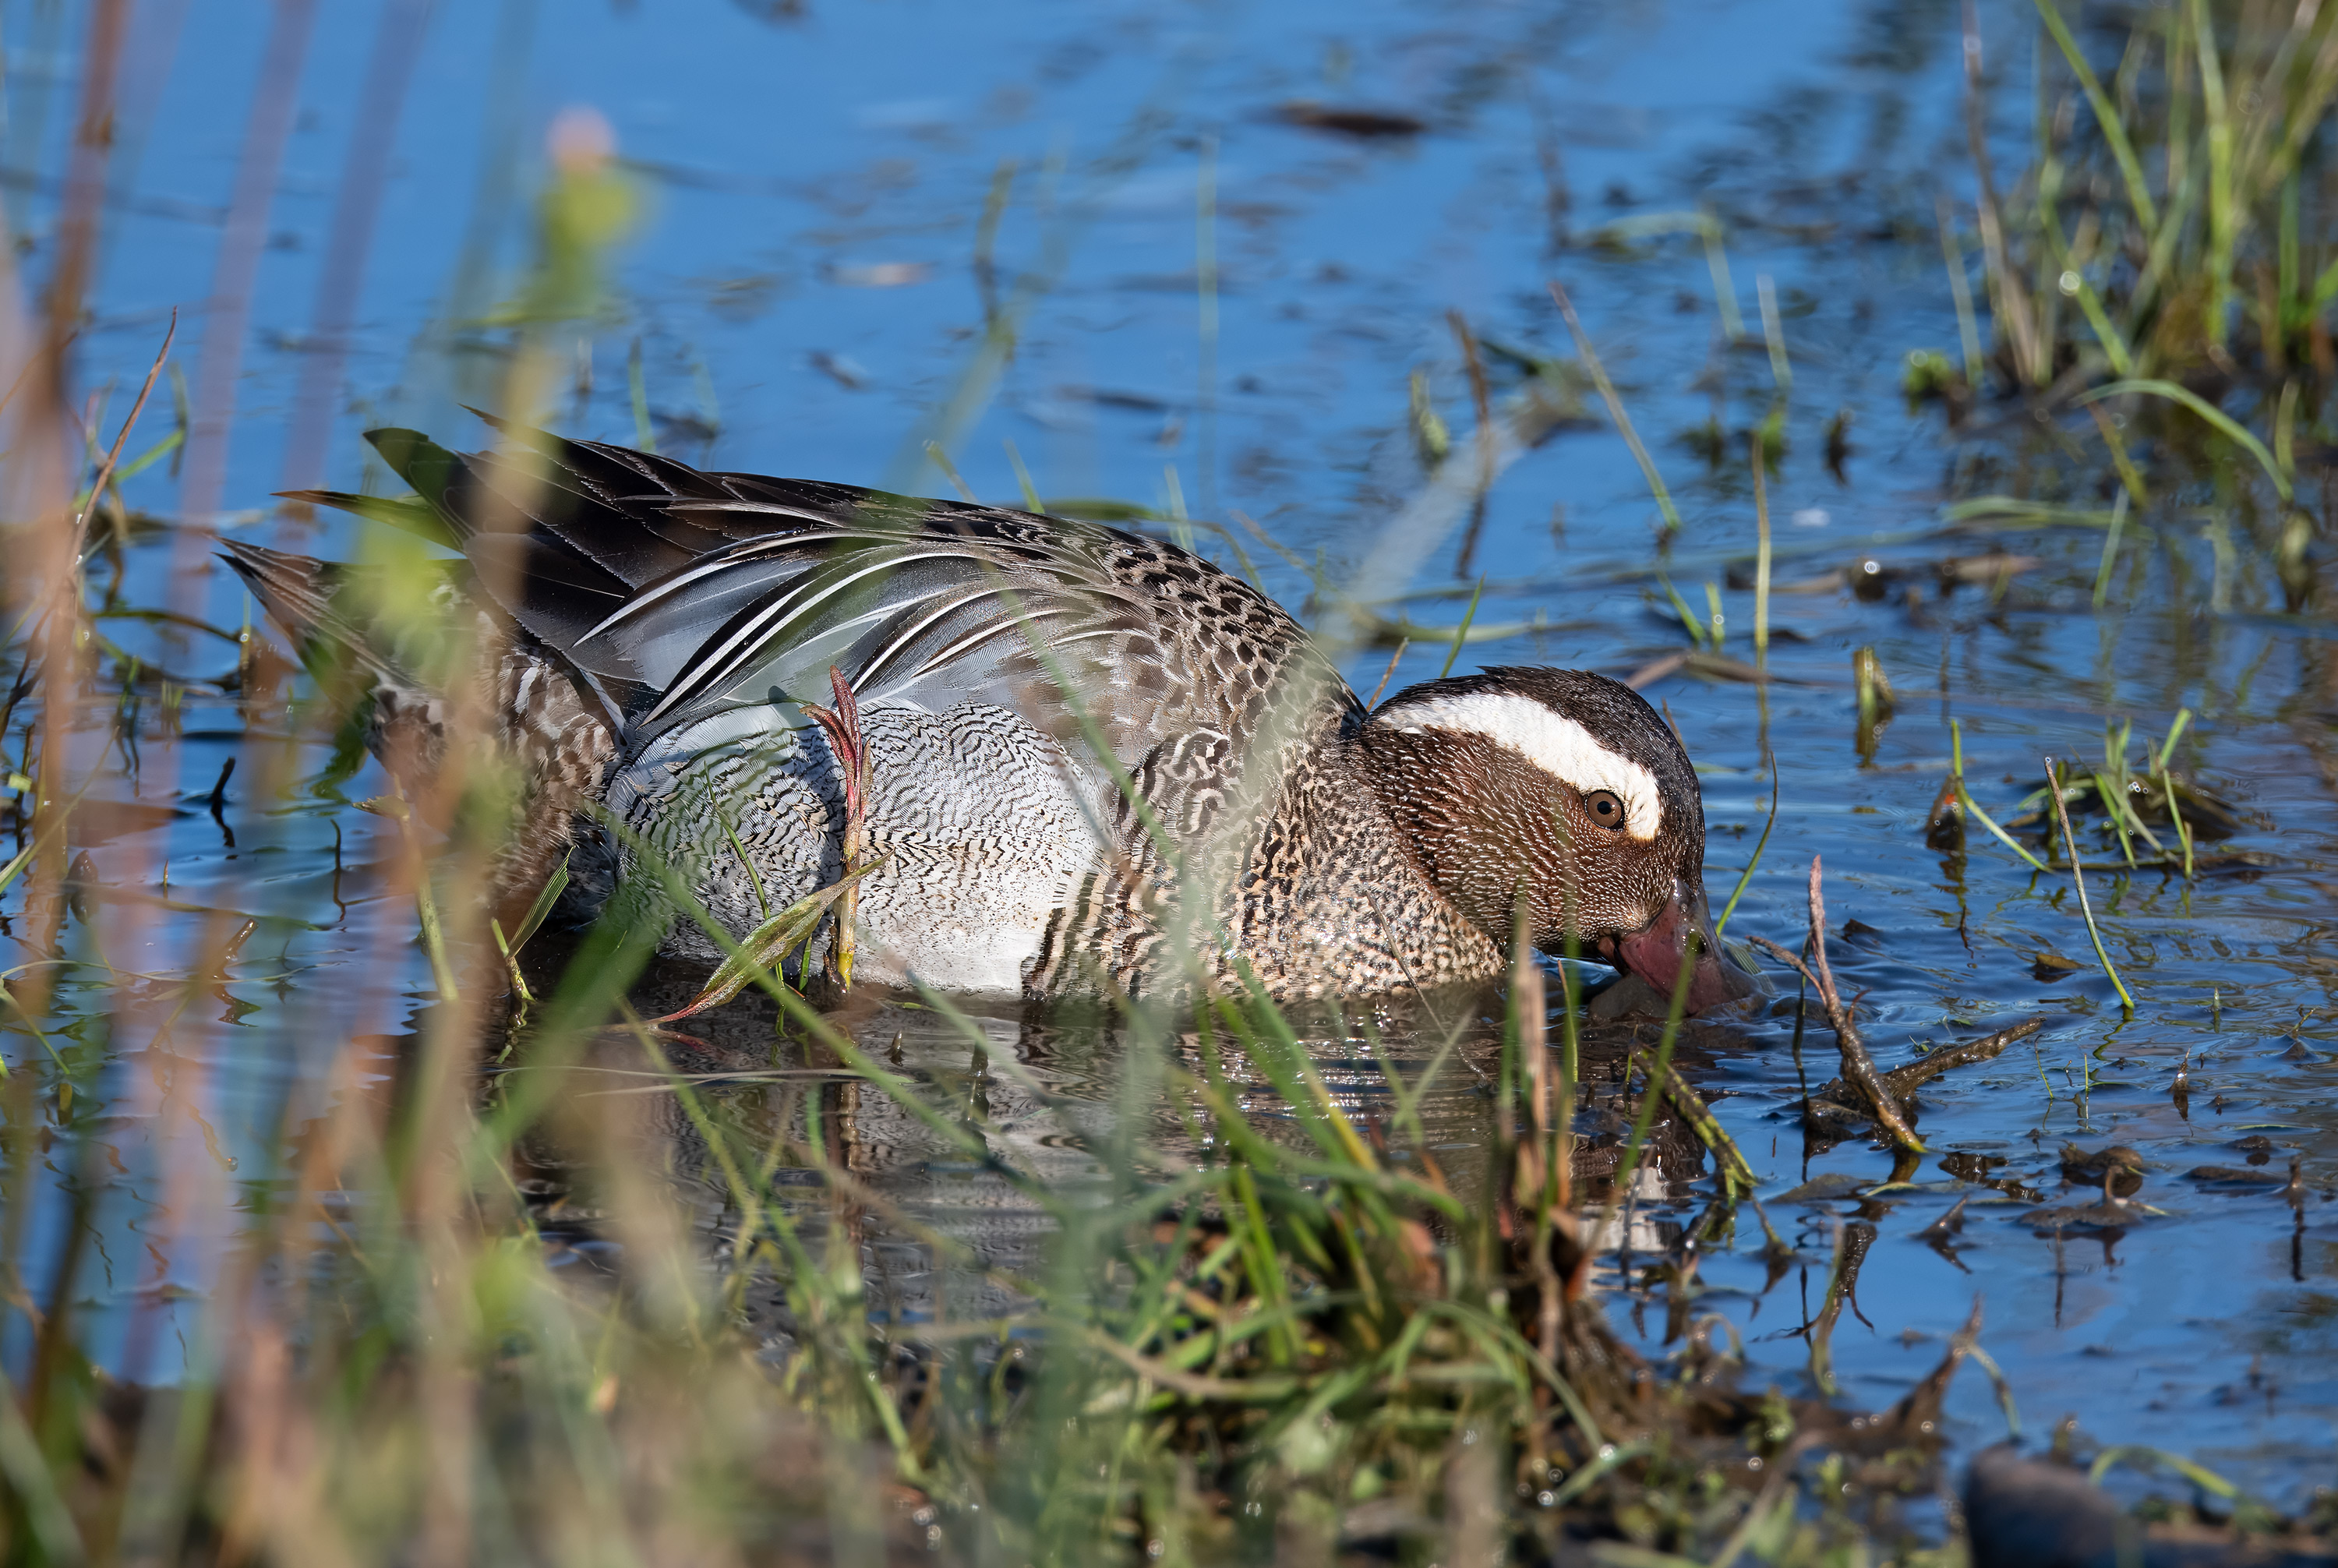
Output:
[[1604, 809]]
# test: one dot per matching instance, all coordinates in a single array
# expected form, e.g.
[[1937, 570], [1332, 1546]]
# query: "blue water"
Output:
[[804, 291]]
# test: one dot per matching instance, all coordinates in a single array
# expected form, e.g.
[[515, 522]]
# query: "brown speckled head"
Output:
[[1561, 792]]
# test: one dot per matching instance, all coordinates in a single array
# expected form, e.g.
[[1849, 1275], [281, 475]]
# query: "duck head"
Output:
[[1561, 796]]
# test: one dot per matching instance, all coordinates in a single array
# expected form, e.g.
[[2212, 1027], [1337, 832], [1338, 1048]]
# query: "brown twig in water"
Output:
[[1736, 1173], [1858, 1066], [1902, 1081]]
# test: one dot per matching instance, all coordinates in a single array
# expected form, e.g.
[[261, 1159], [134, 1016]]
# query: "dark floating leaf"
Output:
[[2235, 1176], [2122, 1165], [1823, 1189], [2113, 1214], [1368, 124], [1863, 934]]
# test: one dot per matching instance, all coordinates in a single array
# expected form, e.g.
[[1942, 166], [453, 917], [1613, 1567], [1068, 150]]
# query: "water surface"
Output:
[[1216, 308]]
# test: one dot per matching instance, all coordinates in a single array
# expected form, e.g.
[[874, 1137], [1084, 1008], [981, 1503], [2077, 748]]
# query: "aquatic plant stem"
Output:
[[2110, 549], [2175, 815], [1773, 334], [2174, 734], [1460, 633], [1760, 844], [2079, 878], [2219, 127], [2107, 117], [2224, 422], [1760, 556], [1964, 799], [2012, 302], [2130, 477], [1858, 1068], [1738, 1178], [842, 727], [1960, 290], [1716, 263], [1031, 502], [104, 473], [1616, 410], [950, 472]]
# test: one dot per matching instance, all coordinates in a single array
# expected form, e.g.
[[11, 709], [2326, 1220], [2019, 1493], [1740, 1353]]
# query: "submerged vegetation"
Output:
[[2165, 261], [474, 1301]]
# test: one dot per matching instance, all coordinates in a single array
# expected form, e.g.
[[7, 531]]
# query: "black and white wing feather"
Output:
[[687, 593]]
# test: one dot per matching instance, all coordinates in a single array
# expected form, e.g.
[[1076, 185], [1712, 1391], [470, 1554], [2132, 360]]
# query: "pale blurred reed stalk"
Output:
[[1243, 1326]]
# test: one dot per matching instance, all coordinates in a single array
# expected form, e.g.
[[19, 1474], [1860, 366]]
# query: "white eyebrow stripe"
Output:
[[1551, 742]]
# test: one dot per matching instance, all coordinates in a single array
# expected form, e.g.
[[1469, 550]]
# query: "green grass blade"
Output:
[[2166, 747], [2138, 193], [1964, 796], [1760, 844], [538, 911], [1616, 410], [2224, 422], [2110, 548], [2078, 880], [1461, 633], [765, 946]]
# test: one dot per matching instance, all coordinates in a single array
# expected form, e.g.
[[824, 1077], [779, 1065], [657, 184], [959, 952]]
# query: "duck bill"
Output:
[[1656, 951]]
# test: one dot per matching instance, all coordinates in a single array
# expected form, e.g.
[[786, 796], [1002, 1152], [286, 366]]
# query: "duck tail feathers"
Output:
[[410, 513], [298, 593]]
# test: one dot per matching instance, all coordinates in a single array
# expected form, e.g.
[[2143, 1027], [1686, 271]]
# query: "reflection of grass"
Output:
[[1274, 1330]]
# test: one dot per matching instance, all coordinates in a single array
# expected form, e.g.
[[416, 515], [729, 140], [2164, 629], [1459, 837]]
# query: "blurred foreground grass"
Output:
[[1242, 1343]]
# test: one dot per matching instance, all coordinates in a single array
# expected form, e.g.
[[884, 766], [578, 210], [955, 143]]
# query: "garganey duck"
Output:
[[1095, 763]]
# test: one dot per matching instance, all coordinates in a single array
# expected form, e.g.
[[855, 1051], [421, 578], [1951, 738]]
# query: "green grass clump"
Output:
[[482, 1320], [2168, 223]]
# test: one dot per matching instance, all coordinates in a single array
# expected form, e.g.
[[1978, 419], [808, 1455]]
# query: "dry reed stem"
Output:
[[357, 207], [2006, 292], [114, 455], [275, 101], [1542, 1163], [1616, 411], [39, 486]]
